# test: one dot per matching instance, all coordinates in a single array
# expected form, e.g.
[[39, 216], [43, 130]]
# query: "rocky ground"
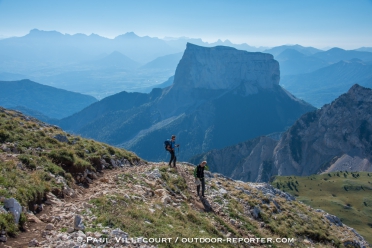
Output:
[[71, 222]]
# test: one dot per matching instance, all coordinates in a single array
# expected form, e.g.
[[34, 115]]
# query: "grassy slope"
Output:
[[346, 195], [293, 220], [34, 158]]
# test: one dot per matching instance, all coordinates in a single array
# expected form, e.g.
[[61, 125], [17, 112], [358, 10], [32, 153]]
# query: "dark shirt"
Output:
[[199, 171]]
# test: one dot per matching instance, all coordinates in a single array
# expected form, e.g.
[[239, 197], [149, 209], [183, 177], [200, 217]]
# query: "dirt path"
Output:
[[62, 211], [58, 217]]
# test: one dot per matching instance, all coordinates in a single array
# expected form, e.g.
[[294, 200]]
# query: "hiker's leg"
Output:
[[198, 189], [174, 161], [172, 157], [203, 185]]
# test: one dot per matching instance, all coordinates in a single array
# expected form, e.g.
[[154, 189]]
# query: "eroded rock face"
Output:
[[336, 137], [226, 68]]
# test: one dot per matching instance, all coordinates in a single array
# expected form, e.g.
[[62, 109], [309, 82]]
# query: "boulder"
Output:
[[334, 219], [256, 212], [2, 210], [61, 138], [33, 243], [32, 218], [166, 200], [155, 174], [78, 223], [118, 233], [222, 191], [13, 206], [3, 236], [161, 192], [49, 226]]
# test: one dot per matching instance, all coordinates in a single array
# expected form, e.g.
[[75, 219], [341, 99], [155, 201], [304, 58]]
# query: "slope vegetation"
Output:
[[344, 194], [37, 158]]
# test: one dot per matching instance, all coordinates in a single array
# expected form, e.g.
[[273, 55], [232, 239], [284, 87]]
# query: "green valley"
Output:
[[344, 194]]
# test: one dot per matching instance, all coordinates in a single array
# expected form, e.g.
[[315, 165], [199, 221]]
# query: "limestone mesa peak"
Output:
[[223, 67]]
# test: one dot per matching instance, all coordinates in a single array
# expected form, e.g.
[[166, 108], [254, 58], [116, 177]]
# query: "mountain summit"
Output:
[[220, 96], [202, 67]]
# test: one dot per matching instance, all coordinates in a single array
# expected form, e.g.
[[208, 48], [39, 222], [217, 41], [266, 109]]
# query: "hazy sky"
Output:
[[318, 23]]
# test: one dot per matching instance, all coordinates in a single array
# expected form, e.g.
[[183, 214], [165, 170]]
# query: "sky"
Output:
[[318, 23]]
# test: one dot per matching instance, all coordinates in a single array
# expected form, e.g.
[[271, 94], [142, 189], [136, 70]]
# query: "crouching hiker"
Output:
[[199, 177]]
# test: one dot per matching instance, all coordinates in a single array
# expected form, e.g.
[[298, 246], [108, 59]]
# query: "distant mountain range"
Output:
[[298, 60], [219, 96], [326, 84], [337, 137], [167, 62], [94, 65], [5, 76], [63, 49], [364, 49], [308, 51], [40, 100], [101, 67], [34, 113], [115, 60], [294, 62], [336, 54]]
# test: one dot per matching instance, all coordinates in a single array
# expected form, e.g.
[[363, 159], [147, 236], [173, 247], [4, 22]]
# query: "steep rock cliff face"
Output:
[[251, 160], [336, 137], [207, 73], [225, 68]]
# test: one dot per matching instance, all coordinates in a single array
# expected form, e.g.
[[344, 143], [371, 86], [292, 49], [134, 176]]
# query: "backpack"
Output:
[[166, 144]]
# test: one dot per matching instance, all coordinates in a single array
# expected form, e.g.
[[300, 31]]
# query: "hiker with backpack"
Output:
[[170, 145], [199, 177]]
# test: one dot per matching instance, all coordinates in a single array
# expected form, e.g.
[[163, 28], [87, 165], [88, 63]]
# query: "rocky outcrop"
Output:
[[202, 67], [336, 137], [204, 74], [247, 161]]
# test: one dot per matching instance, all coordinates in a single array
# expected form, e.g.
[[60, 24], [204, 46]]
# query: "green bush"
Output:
[[29, 160], [54, 169], [62, 157], [7, 223], [4, 136]]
